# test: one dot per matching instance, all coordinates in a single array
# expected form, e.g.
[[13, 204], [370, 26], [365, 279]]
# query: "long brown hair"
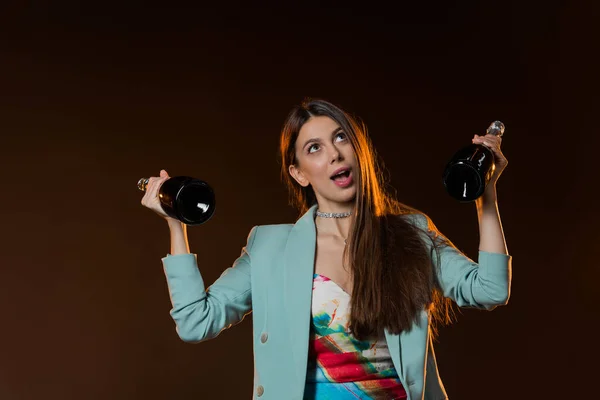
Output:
[[392, 269]]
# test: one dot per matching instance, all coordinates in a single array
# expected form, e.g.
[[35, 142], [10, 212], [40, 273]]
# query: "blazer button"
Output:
[[260, 390], [264, 337]]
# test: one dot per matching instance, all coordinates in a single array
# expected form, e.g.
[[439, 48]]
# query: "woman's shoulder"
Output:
[[271, 231], [415, 217], [274, 229], [424, 225], [269, 237]]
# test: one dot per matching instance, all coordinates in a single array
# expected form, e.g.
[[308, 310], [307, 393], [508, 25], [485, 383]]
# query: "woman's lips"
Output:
[[344, 182]]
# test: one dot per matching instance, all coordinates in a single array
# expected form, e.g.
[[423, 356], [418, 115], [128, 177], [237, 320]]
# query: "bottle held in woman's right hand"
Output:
[[184, 198]]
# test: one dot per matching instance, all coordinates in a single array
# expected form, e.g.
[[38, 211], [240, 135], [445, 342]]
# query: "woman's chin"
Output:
[[347, 199]]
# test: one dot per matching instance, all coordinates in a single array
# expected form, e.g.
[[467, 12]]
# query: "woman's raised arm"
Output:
[[200, 313]]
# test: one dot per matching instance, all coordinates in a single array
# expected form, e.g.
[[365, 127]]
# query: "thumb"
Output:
[[163, 174]]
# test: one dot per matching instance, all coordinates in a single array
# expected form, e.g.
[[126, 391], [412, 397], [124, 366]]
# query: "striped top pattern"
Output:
[[340, 366]]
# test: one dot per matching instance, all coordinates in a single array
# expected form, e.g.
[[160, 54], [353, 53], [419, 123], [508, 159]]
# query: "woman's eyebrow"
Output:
[[312, 140]]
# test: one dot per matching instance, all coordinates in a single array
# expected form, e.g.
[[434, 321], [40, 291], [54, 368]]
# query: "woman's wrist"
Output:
[[174, 224], [178, 234], [489, 197]]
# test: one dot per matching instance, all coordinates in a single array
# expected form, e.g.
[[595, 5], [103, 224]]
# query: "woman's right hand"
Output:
[[150, 199]]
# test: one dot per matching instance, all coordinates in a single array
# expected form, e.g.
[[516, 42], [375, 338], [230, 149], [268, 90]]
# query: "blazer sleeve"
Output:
[[485, 284], [201, 314]]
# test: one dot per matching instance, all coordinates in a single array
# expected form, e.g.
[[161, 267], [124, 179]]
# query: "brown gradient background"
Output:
[[94, 97]]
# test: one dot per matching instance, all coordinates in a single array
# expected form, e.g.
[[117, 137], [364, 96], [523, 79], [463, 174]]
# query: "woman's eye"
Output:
[[313, 148], [341, 135]]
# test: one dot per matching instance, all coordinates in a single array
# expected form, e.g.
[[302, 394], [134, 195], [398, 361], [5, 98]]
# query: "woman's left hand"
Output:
[[493, 142]]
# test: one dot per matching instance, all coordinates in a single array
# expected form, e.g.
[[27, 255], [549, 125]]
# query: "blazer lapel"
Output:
[[393, 344], [413, 344], [299, 261], [407, 356]]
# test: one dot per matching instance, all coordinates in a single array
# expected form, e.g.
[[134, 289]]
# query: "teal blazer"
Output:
[[273, 279]]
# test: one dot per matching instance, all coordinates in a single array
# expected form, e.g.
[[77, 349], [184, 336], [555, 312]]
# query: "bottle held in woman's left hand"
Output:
[[470, 169]]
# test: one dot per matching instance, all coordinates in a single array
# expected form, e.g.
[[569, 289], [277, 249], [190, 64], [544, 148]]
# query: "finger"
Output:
[[155, 187], [158, 184], [163, 174], [147, 192], [146, 196], [494, 139], [488, 145], [151, 183], [488, 136], [152, 189], [491, 145], [491, 142]]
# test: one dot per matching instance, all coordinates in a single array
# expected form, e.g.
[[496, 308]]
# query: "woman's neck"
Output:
[[334, 226]]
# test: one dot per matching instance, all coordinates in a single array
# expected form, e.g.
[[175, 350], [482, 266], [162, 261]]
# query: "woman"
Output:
[[346, 299]]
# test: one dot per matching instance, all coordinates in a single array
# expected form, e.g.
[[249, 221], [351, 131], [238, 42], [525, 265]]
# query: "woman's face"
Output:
[[322, 151]]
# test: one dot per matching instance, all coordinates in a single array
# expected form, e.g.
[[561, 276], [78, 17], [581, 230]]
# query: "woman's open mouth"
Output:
[[343, 179]]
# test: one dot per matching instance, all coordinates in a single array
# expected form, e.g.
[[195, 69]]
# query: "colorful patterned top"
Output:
[[340, 366]]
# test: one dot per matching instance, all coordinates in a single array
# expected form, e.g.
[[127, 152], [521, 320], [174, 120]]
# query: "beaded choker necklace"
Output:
[[333, 215]]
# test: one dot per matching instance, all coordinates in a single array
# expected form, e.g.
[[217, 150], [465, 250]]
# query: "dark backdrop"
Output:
[[93, 97]]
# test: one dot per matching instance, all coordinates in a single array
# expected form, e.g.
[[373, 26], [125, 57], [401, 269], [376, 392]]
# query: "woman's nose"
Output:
[[335, 154]]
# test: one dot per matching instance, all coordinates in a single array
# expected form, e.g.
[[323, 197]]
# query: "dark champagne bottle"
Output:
[[470, 169], [187, 199]]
